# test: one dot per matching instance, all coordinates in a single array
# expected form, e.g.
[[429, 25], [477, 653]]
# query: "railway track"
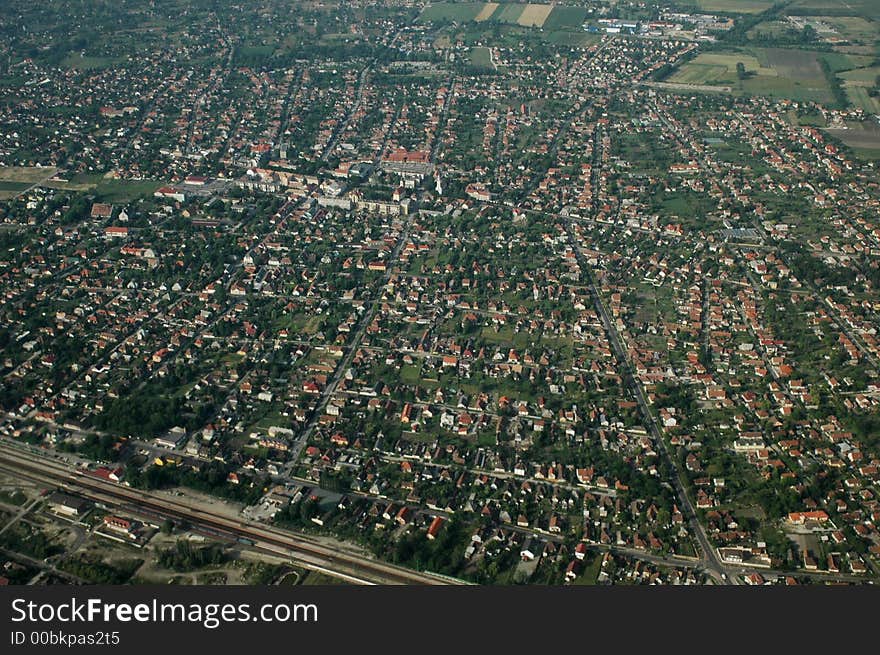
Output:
[[310, 552]]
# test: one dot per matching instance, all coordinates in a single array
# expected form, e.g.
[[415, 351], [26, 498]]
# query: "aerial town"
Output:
[[388, 291]]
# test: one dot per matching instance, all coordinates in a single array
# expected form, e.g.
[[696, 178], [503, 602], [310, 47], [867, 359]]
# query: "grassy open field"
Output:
[[79, 182], [703, 74], [80, 62], [859, 96], [509, 13], [805, 65], [8, 190], [866, 76], [125, 190], [27, 174], [453, 11], [486, 12], [17, 179], [839, 61], [795, 64], [865, 8], [811, 119], [770, 28], [730, 6], [857, 83], [565, 17], [16, 187], [534, 15], [572, 38], [480, 57], [802, 74], [795, 79], [854, 28], [863, 138], [778, 72], [718, 68]]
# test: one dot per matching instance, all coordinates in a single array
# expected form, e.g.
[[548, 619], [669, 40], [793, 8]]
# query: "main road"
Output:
[[710, 560], [351, 348]]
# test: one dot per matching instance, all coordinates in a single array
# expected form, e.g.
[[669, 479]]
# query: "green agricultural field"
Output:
[[854, 28], [452, 11], [486, 12], [866, 76], [777, 72], [731, 6], [534, 15], [800, 73], [793, 64], [508, 13], [771, 28], [859, 96], [572, 38], [526, 15], [863, 138], [703, 74], [805, 65], [858, 84], [565, 17], [719, 68], [865, 8], [783, 87], [838, 61]]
